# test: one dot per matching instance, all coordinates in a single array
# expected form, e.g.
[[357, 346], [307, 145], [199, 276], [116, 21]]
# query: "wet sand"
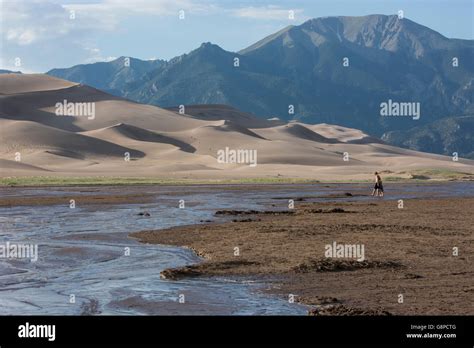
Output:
[[408, 252]]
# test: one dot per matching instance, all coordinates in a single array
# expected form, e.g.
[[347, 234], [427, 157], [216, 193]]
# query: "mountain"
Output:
[[207, 76], [446, 136], [4, 71], [111, 76], [163, 143], [301, 67]]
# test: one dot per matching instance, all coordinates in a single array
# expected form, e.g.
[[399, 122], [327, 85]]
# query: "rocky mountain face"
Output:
[[446, 136], [111, 77]]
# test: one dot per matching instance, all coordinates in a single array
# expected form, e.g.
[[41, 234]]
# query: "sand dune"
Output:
[[18, 166], [218, 112], [123, 133], [23, 83], [167, 144], [292, 131], [27, 137], [229, 126], [40, 106], [343, 134]]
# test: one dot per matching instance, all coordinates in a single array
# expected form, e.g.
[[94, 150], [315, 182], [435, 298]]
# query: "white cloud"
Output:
[[152, 7], [30, 21], [32, 25], [269, 12], [94, 55], [22, 37]]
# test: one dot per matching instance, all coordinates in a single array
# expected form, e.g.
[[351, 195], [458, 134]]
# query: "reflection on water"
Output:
[[83, 251]]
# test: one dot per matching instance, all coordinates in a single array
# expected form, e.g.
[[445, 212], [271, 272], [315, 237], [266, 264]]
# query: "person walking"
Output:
[[378, 187]]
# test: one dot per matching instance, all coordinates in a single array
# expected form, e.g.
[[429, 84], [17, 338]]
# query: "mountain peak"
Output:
[[205, 49], [369, 31], [209, 46], [384, 32], [353, 18]]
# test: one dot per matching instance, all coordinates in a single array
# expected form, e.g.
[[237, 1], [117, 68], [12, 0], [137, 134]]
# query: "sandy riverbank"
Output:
[[408, 252]]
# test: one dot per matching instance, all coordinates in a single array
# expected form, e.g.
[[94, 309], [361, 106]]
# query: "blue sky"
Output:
[[44, 36]]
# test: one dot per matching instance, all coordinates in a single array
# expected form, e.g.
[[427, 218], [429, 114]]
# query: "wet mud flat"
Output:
[[418, 259]]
